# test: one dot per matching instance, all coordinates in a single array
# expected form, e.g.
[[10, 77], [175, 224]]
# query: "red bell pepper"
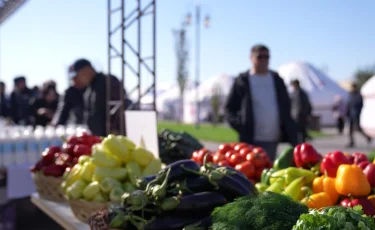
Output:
[[305, 156], [359, 157], [366, 204], [68, 148], [64, 159], [331, 163], [364, 164], [38, 166], [370, 174], [54, 170], [81, 149]]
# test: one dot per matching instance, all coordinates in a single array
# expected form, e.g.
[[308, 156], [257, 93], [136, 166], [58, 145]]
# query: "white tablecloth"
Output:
[[19, 182]]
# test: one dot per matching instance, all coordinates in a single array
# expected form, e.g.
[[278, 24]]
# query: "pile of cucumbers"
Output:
[[175, 146]]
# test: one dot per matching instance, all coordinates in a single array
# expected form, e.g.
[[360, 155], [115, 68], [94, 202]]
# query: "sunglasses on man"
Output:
[[263, 57]]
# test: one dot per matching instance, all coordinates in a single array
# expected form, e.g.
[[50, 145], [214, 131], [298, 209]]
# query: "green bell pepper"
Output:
[[266, 175], [285, 160]]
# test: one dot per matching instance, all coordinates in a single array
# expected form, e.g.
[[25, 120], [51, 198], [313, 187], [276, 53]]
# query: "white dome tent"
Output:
[[222, 82], [368, 111], [320, 88]]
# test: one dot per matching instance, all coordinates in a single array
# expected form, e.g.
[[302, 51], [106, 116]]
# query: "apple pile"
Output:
[[56, 160], [248, 159]]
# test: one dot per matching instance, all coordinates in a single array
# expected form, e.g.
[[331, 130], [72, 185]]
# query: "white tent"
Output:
[[320, 88], [218, 84], [368, 111]]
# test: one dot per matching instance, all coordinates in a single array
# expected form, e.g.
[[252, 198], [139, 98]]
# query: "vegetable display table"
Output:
[[59, 212]]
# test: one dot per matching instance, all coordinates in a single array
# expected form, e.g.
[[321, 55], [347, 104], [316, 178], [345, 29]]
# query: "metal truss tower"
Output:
[[125, 20]]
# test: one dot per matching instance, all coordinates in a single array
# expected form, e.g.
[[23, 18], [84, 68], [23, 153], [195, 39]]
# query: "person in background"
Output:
[[71, 104], [42, 109], [339, 113], [20, 99], [4, 102], [258, 106], [301, 108], [95, 96], [354, 109], [36, 91]]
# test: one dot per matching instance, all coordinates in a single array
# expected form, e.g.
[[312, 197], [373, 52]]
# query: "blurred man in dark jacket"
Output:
[[354, 109], [258, 105], [4, 102], [71, 104], [95, 96], [301, 108], [19, 100]]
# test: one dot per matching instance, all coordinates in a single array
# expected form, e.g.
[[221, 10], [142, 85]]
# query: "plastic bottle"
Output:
[[19, 146], [59, 135], [49, 134], [43, 143], [33, 153], [8, 148]]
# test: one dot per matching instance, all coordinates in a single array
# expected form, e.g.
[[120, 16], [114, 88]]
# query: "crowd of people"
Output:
[[263, 112], [84, 100]]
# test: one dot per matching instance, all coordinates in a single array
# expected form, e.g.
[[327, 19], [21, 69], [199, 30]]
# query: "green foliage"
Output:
[[363, 74]]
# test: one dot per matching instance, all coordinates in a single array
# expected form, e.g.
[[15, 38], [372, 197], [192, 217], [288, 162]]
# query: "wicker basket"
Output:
[[83, 209], [48, 187], [99, 221]]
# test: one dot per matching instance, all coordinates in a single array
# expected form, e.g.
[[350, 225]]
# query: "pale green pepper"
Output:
[[100, 198], [73, 175], [87, 171], [116, 194], [134, 172], [108, 183], [115, 173], [91, 190], [102, 158], [127, 142], [82, 159], [129, 187], [153, 168], [142, 156], [112, 145], [76, 189]]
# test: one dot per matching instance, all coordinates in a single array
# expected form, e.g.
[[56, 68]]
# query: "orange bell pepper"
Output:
[[351, 180], [318, 200], [326, 184]]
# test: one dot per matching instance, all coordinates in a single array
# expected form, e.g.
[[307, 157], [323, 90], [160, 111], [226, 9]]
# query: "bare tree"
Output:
[[216, 103], [182, 55]]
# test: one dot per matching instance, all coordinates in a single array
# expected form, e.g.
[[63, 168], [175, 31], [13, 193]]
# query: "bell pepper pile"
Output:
[[336, 179], [248, 159], [56, 160], [113, 168]]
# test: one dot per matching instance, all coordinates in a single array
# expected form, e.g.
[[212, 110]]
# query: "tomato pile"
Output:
[[56, 160], [248, 159]]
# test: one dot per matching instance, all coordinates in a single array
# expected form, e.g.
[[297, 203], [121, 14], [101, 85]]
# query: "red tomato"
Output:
[[201, 154], [258, 159], [251, 147], [246, 168], [244, 151], [229, 154], [258, 173], [225, 147], [236, 159], [217, 158], [257, 150], [239, 146], [224, 163], [232, 145], [194, 156]]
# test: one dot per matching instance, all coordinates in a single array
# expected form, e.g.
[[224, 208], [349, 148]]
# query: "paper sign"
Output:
[[141, 128]]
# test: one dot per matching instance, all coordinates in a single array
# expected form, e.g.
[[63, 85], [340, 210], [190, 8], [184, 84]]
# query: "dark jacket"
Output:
[[5, 106], [95, 104], [354, 106], [239, 110], [301, 106], [72, 103], [39, 103], [20, 106]]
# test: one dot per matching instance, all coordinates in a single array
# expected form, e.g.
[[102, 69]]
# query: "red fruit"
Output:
[[224, 163], [239, 146], [257, 150], [54, 170], [244, 151], [236, 159], [369, 171], [48, 157], [68, 148], [64, 159], [359, 157], [217, 158], [229, 154], [245, 168], [73, 140], [363, 164], [331, 163], [81, 149], [223, 148], [366, 204], [75, 160], [258, 159], [37, 167]]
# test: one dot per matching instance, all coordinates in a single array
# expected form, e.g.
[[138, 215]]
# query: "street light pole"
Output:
[[197, 62]]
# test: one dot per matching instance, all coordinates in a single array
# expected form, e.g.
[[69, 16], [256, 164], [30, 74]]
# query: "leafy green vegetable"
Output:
[[266, 211], [335, 218]]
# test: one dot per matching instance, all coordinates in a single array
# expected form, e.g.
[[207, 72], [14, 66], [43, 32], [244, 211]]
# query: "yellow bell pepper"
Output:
[[328, 185], [142, 156], [152, 168], [113, 145], [102, 158], [87, 171], [114, 173], [318, 200], [350, 180], [127, 142]]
